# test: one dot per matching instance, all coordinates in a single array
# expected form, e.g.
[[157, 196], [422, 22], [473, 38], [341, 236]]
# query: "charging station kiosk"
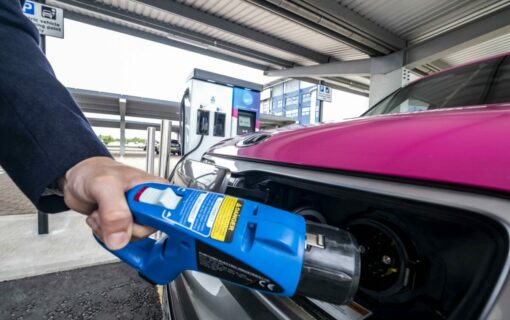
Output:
[[216, 107]]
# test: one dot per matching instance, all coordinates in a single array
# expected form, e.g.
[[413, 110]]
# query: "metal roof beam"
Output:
[[357, 67], [131, 125], [339, 84], [347, 83], [234, 28], [108, 103], [475, 32], [201, 39], [351, 18], [313, 21], [485, 28], [342, 84]]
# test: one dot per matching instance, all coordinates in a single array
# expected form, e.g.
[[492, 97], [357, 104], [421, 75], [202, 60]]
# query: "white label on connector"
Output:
[[196, 208], [214, 212]]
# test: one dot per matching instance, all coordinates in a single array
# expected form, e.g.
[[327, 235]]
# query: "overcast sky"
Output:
[[102, 60]]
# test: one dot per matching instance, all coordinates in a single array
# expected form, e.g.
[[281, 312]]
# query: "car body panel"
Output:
[[428, 145], [493, 207], [465, 146]]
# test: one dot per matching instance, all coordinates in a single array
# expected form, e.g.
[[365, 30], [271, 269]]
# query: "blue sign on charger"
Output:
[[29, 8], [246, 99]]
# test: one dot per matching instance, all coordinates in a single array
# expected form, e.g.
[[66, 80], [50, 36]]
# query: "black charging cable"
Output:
[[182, 119], [171, 176]]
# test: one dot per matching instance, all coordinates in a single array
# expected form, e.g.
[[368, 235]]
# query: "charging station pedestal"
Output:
[[217, 107]]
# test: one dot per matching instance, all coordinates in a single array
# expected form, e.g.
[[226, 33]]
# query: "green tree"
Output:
[[106, 139], [136, 140]]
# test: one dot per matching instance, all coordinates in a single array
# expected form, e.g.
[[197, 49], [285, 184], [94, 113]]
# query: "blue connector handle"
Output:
[[227, 237], [135, 253], [147, 255]]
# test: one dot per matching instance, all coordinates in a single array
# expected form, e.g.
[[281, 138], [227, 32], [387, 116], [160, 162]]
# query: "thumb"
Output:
[[116, 221]]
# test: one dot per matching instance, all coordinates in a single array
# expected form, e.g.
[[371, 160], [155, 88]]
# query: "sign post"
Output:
[[324, 93], [48, 20]]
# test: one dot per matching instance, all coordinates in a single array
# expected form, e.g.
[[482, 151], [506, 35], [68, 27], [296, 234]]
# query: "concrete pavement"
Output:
[[69, 245]]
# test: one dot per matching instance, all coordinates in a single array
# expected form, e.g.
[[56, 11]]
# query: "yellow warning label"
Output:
[[226, 219]]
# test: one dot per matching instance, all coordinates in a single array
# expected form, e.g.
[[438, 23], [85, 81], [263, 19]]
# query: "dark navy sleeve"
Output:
[[42, 130]]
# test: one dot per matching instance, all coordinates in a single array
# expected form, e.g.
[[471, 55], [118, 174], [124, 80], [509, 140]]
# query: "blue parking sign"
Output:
[[29, 8]]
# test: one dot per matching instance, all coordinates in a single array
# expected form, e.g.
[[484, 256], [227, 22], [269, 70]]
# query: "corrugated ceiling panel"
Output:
[[241, 56], [204, 30], [256, 18], [417, 20], [488, 48], [80, 11], [250, 16]]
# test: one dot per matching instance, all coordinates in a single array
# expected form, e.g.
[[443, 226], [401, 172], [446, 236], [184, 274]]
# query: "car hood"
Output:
[[468, 146]]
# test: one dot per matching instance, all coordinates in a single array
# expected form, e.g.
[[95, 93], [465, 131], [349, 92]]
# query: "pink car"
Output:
[[422, 181]]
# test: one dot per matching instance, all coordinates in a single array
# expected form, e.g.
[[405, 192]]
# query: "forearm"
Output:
[[45, 132]]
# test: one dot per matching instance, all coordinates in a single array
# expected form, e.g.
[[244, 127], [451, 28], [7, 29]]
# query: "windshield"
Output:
[[482, 83]]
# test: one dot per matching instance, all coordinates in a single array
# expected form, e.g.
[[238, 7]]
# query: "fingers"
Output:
[[113, 213], [140, 232], [78, 205], [96, 187], [93, 222]]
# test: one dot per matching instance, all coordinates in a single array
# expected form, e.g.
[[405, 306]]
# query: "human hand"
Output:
[[95, 187]]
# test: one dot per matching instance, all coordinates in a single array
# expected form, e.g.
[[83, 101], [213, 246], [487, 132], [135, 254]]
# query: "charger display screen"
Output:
[[245, 121]]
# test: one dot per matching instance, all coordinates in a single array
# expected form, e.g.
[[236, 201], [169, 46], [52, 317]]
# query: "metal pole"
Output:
[[164, 156], [122, 111], [151, 149], [42, 217], [42, 222], [165, 148], [321, 104]]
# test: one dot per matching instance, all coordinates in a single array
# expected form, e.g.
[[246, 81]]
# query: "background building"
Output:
[[293, 99]]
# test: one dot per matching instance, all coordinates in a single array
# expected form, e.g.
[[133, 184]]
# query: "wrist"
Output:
[[83, 168]]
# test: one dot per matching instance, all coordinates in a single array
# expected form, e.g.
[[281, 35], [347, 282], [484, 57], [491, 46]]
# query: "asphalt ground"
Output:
[[111, 291]]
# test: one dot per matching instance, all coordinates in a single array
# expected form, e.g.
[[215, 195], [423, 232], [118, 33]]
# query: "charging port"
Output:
[[202, 122], [219, 124]]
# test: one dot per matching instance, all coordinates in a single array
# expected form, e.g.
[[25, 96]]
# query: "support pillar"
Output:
[[151, 150], [387, 75], [122, 112]]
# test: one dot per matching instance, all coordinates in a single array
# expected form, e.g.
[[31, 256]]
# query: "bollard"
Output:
[[151, 149], [42, 222], [165, 148]]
